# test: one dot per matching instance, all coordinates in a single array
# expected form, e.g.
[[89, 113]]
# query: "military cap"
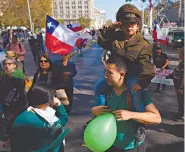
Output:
[[128, 13]]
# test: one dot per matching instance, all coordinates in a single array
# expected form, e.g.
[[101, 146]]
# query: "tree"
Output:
[[108, 23], [39, 10], [60, 21], [84, 22], [16, 13], [3, 6]]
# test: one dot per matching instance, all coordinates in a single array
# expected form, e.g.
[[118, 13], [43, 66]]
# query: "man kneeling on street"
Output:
[[119, 103]]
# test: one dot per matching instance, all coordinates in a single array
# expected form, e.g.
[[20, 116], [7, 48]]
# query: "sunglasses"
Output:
[[44, 61], [9, 64]]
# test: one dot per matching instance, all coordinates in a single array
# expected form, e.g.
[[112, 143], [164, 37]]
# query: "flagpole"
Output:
[[29, 13], [143, 17], [150, 18]]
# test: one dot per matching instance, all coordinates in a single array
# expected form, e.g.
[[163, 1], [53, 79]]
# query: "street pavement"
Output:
[[168, 136]]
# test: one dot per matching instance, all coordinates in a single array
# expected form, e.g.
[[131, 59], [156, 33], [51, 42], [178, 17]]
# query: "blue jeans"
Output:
[[137, 97], [80, 53]]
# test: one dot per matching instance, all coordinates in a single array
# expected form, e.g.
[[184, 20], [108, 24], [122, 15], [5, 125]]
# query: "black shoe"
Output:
[[178, 118], [163, 90], [157, 90]]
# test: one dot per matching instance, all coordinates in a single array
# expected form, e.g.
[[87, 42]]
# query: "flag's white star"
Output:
[[49, 25]]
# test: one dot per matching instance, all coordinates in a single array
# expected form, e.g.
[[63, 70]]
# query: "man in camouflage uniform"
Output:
[[124, 38]]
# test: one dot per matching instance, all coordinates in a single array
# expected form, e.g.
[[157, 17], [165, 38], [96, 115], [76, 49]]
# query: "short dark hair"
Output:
[[118, 61], [15, 37], [159, 48], [40, 93]]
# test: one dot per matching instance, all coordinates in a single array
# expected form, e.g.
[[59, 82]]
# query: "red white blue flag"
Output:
[[59, 39], [75, 27], [158, 35]]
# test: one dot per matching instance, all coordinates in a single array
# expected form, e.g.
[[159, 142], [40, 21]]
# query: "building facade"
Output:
[[99, 17], [176, 13], [71, 10]]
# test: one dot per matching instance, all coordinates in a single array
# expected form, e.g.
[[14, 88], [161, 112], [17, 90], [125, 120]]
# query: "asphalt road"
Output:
[[168, 136]]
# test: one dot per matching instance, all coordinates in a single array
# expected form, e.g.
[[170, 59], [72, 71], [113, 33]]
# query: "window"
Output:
[[87, 12], [68, 12], [79, 6], [67, 16], [74, 16], [60, 3], [61, 12], [74, 12], [79, 2], [73, 3], [86, 7], [80, 12], [67, 3], [61, 7], [73, 7], [85, 2], [67, 7]]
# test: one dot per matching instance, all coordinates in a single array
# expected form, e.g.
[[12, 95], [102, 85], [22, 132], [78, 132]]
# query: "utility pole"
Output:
[[29, 13], [143, 14], [150, 15], [180, 12]]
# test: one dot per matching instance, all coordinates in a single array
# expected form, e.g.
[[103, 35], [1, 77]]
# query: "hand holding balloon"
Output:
[[101, 132], [122, 115], [99, 110]]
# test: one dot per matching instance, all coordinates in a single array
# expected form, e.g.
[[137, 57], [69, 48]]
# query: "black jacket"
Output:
[[12, 95], [54, 77]]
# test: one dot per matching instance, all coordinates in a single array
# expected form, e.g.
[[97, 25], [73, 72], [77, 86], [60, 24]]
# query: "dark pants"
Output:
[[80, 55], [180, 99], [69, 92], [141, 148], [158, 86]]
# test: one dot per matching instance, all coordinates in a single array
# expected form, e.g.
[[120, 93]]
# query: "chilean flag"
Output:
[[158, 36], [75, 27], [59, 39]]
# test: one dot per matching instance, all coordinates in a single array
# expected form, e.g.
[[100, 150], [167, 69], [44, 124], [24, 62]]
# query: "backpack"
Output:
[[140, 132], [20, 47]]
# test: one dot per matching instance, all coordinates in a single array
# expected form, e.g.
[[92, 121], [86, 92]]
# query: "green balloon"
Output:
[[100, 133]]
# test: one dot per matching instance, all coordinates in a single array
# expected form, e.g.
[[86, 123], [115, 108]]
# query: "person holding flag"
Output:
[[59, 39]]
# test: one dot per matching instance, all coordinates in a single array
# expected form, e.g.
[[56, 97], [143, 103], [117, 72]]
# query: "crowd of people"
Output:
[[34, 120]]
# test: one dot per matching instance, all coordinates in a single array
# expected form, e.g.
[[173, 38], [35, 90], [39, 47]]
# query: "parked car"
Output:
[[175, 38]]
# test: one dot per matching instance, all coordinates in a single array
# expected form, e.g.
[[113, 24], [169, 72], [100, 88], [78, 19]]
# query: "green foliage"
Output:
[[16, 14], [108, 23], [84, 22], [60, 21]]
